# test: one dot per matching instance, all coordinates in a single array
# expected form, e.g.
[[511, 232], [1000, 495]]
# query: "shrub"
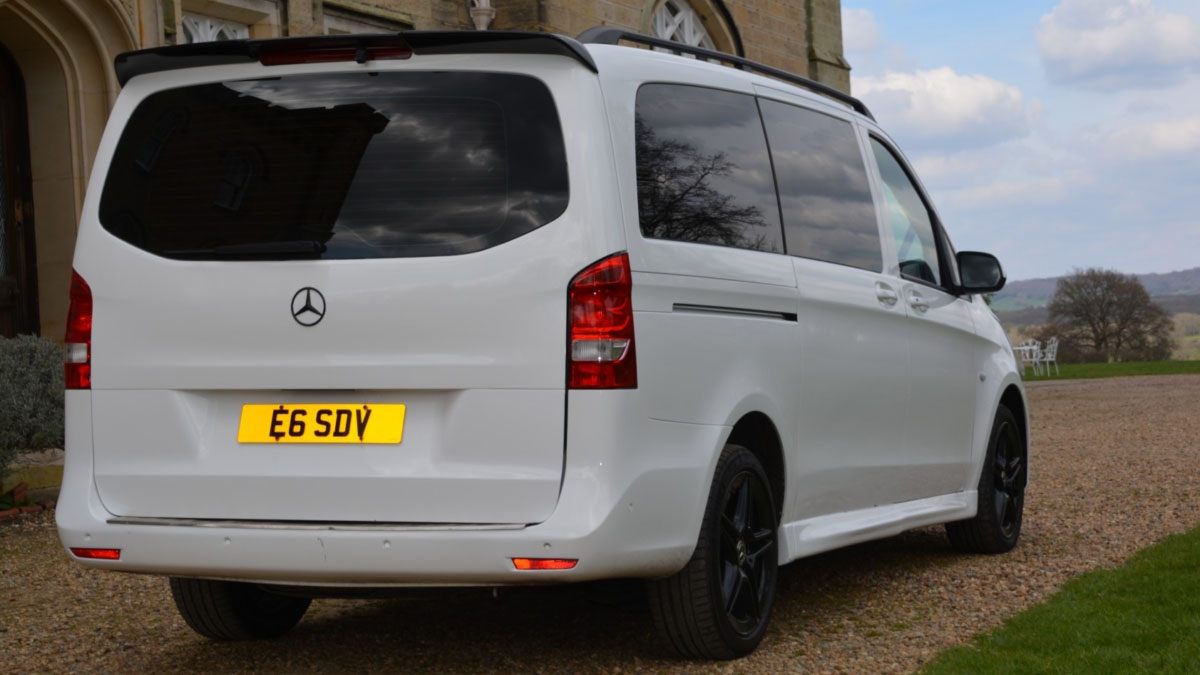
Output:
[[31, 395]]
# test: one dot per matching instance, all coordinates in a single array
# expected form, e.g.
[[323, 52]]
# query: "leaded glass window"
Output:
[[200, 28], [676, 20]]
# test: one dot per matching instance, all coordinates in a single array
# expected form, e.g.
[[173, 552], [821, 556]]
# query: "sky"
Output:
[[1056, 135]]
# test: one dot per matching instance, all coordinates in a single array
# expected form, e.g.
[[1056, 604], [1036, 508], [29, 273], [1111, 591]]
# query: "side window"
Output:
[[909, 220], [828, 213], [703, 174]]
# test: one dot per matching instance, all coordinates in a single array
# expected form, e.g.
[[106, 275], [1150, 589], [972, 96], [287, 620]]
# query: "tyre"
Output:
[[227, 610], [997, 524], [718, 605]]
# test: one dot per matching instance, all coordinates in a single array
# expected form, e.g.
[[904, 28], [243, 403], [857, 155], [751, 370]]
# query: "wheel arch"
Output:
[[756, 432]]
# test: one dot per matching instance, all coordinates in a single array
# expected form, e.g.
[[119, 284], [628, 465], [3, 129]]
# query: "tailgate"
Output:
[[335, 243]]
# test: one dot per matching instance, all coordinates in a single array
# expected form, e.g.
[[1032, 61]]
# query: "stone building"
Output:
[[57, 86]]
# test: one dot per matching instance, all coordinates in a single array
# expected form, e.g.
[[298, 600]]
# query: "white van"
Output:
[[490, 308]]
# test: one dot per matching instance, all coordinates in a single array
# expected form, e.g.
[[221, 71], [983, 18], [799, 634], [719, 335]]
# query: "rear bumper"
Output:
[[625, 510]]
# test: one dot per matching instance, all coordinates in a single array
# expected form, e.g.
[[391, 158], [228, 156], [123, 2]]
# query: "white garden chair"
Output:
[[1049, 355], [1030, 352]]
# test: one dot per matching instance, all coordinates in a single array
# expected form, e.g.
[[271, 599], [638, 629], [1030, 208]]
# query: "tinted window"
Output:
[[828, 213], [343, 165], [910, 221], [703, 173]]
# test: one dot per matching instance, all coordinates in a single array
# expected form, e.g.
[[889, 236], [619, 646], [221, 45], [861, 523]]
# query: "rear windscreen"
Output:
[[345, 165]]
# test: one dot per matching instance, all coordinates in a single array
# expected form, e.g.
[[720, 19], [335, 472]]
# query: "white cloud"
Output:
[[1108, 44], [936, 107], [1046, 190], [1161, 139], [860, 33], [955, 169]]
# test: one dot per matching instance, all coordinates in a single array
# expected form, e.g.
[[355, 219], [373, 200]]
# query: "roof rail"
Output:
[[610, 35], [158, 59]]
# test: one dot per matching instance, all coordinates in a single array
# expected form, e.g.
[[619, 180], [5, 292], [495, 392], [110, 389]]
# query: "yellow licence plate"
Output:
[[321, 423]]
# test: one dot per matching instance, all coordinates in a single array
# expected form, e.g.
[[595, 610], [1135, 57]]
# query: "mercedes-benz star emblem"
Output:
[[308, 306]]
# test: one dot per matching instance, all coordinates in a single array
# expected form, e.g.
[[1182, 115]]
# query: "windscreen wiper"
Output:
[[299, 247]]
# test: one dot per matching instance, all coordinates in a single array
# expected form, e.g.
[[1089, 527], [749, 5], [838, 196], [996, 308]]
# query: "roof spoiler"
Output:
[[361, 48], [609, 35]]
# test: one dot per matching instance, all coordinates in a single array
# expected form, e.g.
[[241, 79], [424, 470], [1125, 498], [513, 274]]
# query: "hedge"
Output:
[[31, 396]]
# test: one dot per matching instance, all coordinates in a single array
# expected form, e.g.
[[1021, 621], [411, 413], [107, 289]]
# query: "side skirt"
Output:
[[825, 533]]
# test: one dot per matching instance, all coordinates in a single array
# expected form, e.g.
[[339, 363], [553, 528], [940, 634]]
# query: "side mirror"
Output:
[[979, 272]]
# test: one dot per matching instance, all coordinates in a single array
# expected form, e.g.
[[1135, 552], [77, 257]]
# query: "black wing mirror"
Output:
[[979, 272]]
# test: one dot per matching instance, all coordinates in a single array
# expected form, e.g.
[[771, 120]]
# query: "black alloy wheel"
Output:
[[1008, 479], [996, 526], [747, 540], [719, 604]]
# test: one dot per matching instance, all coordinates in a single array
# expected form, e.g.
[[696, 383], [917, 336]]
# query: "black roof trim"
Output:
[[609, 35], [131, 64]]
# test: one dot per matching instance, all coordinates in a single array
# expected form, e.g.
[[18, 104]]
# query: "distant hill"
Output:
[[1037, 292], [1174, 304]]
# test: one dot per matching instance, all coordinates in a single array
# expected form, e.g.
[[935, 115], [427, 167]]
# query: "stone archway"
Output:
[[64, 50]]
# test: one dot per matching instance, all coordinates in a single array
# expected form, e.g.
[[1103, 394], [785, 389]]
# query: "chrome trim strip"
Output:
[[308, 525], [733, 311]]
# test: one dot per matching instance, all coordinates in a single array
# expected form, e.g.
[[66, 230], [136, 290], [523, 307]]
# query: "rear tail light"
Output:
[[544, 563], [78, 370], [97, 553], [600, 310]]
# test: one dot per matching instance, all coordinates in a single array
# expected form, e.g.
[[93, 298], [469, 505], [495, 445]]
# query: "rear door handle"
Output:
[[886, 294], [917, 302]]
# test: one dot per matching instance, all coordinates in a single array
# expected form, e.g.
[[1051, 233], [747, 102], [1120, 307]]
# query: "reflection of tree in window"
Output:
[[703, 171], [676, 200]]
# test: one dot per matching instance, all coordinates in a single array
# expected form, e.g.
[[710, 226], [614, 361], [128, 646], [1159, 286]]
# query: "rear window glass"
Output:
[[703, 173], [346, 165]]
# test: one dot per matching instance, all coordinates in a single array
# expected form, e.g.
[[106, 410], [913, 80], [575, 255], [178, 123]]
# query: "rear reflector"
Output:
[[98, 553], [544, 563], [78, 368], [600, 311]]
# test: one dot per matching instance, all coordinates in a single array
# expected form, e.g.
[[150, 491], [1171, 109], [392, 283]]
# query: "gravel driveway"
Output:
[[1115, 465]]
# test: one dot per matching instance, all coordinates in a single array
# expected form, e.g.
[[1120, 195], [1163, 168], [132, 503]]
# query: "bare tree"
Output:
[[1103, 315], [677, 200]]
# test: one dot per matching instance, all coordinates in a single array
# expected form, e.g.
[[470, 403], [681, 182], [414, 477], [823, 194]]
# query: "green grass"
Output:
[[1139, 618], [1073, 371]]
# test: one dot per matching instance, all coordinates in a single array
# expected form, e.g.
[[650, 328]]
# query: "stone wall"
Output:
[[800, 36], [421, 14], [778, 33], [826, 62]]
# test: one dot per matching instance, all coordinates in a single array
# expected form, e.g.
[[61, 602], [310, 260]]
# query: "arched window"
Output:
[[200, 28], [676, 20]]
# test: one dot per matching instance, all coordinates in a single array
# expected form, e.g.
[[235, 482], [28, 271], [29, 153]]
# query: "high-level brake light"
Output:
[[600, 310], [78, 368], [326, 50]]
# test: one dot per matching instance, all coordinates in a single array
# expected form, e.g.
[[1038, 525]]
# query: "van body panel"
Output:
[[944, 365], [174, 454], [687, 370], [851, 410]]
